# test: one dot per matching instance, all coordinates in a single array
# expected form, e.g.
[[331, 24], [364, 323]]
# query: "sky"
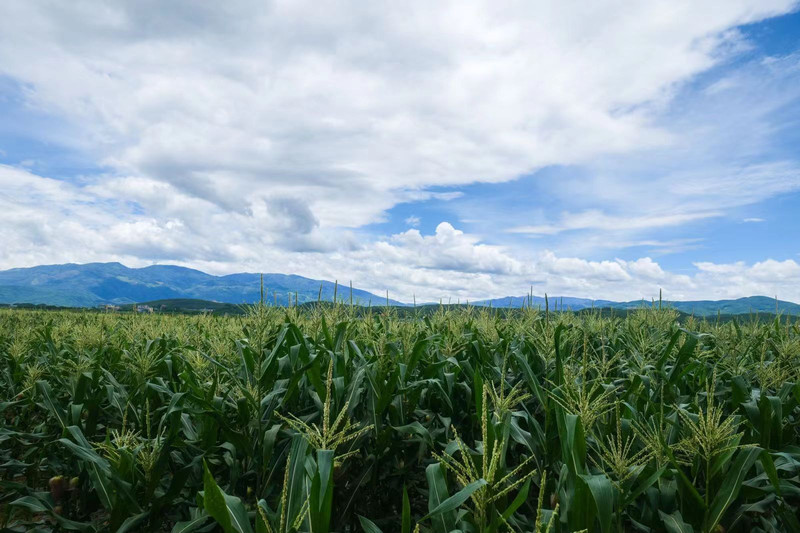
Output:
[[457, 150]]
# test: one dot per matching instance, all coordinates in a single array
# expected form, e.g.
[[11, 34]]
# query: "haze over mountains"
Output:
[[93, 284]]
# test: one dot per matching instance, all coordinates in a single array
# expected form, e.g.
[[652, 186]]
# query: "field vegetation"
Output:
[[332, 418]]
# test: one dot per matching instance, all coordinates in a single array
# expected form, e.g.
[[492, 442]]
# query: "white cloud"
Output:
[[597, 220], [753, 220], [64, 222], [768, 278], [249, 136], [448, 249], [357, 105], [731, 149], [412, 221]]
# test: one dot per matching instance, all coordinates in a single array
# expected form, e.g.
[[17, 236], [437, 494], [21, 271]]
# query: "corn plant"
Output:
[[340, 418]]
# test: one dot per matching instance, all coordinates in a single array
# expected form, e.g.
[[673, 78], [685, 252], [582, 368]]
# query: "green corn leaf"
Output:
[[674, 523], [262, 525], [644, 485], [406, 513], [685, 481], [32, 504], [102, 485], [686, 351], [503, 517], [442, 522], [602, 492], [664, 357], [228, 511], [415, 428], [453, 502], [321, 496], [769, 468], [573, 441], [214, 501], [368, 525], [44, 390], [197, 521], [39, 505], [132, 523], [297, 477], [731, 485]]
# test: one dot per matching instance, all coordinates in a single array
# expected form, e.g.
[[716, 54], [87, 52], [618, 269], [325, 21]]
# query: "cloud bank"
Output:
[[273, 136]]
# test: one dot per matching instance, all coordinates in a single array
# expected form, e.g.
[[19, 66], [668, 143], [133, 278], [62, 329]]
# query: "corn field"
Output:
[[323, 419]]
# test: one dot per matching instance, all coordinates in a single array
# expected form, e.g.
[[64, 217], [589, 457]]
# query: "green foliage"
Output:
[[337, 418]]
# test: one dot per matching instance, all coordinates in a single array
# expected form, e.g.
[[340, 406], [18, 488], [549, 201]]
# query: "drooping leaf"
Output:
[[731, 485], [227, 510], [602, 492], [674, 522], [453, 502]]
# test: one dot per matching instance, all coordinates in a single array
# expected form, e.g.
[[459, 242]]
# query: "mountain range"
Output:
[[739, 306], [93, 284]]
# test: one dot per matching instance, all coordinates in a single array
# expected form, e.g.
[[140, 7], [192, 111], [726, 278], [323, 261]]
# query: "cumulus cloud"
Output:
[[266, 136], [452, 264], [448, 249], [361, 103], [770, 278], [65, 222]]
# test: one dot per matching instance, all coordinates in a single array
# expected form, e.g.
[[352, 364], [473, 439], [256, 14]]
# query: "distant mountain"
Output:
[[739, 306], [93, 284], [751, 304], [554, 302]]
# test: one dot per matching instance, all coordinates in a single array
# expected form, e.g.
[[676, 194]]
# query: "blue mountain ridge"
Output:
[[739, 306], [93, 284]]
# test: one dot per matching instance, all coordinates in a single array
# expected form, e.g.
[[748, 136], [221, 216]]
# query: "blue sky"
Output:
[[438, 151], [745, 232]]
